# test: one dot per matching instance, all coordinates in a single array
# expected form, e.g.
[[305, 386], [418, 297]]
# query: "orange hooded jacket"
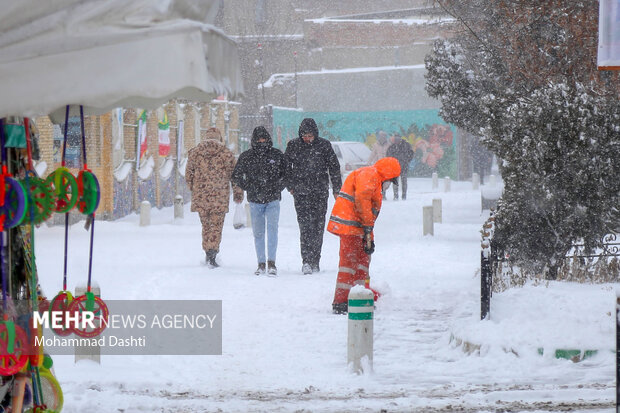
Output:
[[359, 200]]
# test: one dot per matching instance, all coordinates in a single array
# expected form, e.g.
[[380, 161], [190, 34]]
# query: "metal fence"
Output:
[[580, 264]]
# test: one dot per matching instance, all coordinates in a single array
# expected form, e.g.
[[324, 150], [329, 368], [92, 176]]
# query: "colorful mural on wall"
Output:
[[433, 140]]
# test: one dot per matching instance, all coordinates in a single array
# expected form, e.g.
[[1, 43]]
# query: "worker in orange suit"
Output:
[[352, 219]]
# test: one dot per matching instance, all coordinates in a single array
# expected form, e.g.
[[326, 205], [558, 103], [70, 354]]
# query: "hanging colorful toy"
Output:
[[89, 302], [89, 196], [13, 339], [65, 189], [88, 185], [39, 192], [46, 391], [13, 200], [62, 180]]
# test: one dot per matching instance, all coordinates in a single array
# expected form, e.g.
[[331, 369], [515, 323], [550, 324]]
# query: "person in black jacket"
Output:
[[312, 163], [401, 150], [260, 171]]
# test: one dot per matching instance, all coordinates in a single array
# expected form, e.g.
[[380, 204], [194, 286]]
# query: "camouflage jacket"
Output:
[[208, 171]]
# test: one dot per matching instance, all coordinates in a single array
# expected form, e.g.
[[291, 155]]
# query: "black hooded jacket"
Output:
[[261, 170], [311, 165], [401, 150]]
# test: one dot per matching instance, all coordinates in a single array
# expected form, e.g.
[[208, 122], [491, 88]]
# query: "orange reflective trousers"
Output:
[[353, 266]]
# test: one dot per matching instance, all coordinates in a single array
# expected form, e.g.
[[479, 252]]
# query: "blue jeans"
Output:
[[269, 213]]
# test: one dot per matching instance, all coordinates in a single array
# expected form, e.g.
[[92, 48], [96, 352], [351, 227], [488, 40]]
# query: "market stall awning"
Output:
[[111, 53]]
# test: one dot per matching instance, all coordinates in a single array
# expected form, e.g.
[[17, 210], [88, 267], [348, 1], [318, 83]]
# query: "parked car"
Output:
[[351, 155]]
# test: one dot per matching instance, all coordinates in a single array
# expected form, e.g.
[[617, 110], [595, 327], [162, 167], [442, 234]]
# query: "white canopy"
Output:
[[111, 53]]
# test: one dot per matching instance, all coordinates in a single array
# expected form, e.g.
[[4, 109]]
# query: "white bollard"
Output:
[[145, 213], [92, 351], [435, 180], [446, 184], [437, 214], [475, 181], [178, 206], [248, 216], [427, 220], [492, 180], [360, 337]]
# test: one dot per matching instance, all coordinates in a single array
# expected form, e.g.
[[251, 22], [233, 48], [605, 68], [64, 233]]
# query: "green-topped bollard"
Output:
[[360, 345]]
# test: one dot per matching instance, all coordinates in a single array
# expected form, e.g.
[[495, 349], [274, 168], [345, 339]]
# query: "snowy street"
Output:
[[284, 350]]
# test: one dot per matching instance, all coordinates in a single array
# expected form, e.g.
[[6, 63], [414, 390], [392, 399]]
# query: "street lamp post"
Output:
[[295, 58], [227, 125], [262, 74]]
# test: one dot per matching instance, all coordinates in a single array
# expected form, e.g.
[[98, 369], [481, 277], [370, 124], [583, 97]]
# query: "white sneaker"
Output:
[[306, 269], [271, 269], [260, 270]]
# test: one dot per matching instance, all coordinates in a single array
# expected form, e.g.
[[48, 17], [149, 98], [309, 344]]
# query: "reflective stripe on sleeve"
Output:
[[346, 222], [346, 196]]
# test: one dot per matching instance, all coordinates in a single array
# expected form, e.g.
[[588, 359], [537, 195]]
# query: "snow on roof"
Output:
[[296, 110], [294, 36], [409, 21], [42, 41], [279, 78]]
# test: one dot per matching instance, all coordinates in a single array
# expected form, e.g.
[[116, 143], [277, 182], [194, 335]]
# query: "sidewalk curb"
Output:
[[573, 355]]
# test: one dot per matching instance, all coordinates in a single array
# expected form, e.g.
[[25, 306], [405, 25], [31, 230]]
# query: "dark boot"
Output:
[[340, 308], [211, 263]]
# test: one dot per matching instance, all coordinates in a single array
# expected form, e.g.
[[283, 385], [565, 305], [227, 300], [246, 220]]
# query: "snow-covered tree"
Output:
[[522, 75]]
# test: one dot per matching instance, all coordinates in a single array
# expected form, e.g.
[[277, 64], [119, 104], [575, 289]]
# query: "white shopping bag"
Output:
[[239, 217]]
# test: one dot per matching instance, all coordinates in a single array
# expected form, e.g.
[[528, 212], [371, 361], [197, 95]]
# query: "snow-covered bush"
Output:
[[522, 76]]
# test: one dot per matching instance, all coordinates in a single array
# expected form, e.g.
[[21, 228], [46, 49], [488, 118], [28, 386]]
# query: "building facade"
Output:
[[344, 61], [136, 155]]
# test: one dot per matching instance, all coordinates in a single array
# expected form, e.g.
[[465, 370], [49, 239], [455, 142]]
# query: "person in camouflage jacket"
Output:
[[209, 168]]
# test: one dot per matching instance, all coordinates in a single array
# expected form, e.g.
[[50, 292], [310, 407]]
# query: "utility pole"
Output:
[[295, 58], [262, 74]]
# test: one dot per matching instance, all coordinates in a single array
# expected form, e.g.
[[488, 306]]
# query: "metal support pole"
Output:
[[262, 71], [617, 352], [227, 125], [485, 284], [295, 57]]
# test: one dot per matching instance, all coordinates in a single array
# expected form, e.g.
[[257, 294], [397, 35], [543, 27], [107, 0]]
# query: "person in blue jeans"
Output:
[[260, 171], [265, 216]]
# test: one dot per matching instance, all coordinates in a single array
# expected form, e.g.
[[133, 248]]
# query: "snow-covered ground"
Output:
[[283, 349]]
